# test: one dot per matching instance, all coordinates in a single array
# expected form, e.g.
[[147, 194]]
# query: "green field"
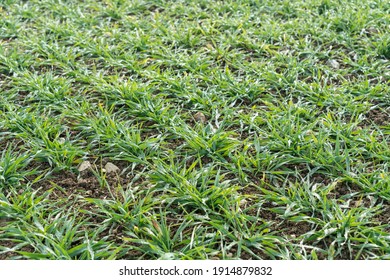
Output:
[[252, 129]]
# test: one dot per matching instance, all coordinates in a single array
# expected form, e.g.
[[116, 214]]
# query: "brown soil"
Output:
[[8, 255], [377, 116], [294, 229], [11, 255], [86, 185], [246, 256], [352, 192], [15, 144], [344, 188], [288, 228], [384, 217], [70, 185], [321, 179]]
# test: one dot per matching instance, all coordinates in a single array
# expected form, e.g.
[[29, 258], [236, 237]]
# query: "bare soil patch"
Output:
[[377, 116]]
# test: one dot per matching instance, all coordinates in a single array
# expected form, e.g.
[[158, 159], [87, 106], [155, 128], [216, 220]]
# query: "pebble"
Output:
[[200, 117], [61, 140], [334, 64], [110, 167], [84, 166], [243, 202]]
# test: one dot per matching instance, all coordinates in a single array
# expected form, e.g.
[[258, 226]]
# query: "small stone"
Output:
[[61, 140], [200, 117], [84, 166], [168, 256], [243, 202], [110, 167], [334, 64], [354, 56]]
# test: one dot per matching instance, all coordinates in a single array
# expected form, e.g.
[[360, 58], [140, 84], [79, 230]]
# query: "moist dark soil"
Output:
[[11, 255], [345, 191], [86, 184], [286, 227], [8, 255], [342, 189], [384, 217], [377, 116]]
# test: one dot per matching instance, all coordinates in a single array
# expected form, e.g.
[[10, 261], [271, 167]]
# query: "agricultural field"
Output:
[[252, 129]]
